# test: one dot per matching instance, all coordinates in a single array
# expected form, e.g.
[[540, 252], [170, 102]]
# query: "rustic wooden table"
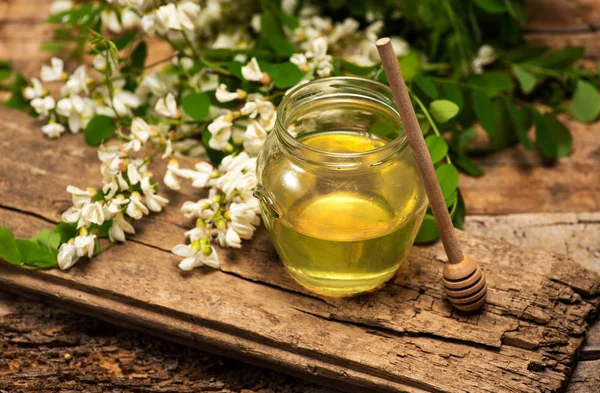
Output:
[[558, 209]]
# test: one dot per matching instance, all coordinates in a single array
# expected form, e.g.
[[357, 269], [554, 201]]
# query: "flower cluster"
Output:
[[229, 214], [128, 194]]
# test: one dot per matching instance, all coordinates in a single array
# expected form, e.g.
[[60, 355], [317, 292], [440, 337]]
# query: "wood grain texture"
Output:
[[404, 337]]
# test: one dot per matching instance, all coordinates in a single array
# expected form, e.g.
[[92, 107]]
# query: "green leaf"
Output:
[[428, 231], [5, 64], [4, 74], [384, 129], [286, 75], [553, 139], [438, 148], [66, 231], [8, 248], [491, 6], [16, 101], [272, 34], [458, 218], [452, 93], [196, 105], [527, 52], [139, 54], [585, 106], [562, 58], [465, 163], [125, 39], [484, 111], [48, 238], [448, 177], [519, 124], [492, 83], [356, 69], [443, 110], [516, 9], [99, 129], [410, 65], [526, 79], [35, 255], [52, 46], [461, 139], [426, 86]]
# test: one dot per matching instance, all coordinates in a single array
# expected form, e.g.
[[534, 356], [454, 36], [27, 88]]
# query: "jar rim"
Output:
[[382, 95]]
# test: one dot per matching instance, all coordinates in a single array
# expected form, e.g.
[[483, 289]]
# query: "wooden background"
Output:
[[520, 200]]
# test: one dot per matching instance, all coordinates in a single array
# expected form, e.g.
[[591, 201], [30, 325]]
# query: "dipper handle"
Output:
[[419, 149]]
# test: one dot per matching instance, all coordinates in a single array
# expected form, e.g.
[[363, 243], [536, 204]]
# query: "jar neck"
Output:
[[340, 104]]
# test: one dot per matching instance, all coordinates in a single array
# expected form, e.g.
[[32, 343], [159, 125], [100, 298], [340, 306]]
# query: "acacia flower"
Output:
[[254, 138], [188, 13], [154, 202], [54, 72], [67, 255], [77, 82], [35, 90], [220, 129], [133, 174], [485, 55], [43, 106], [136, 209], [85, 243], [196, 254], [53, 129], [91, 213], [167, 16], [167, 107], [222, 95], [252, 72], [120, 226]]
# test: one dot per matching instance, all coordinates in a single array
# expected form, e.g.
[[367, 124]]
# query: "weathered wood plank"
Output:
[[531, 329], [520, 181], [562, 16]]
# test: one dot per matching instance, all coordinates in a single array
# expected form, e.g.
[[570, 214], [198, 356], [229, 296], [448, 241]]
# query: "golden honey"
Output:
[[346, 242]]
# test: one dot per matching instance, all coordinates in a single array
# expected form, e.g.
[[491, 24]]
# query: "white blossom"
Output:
[[120, 226], [254, 138], [91, 213], [53, 129], [154, 202], [59, 6], [67, 255], [133, 174], [170, 179], [140, 129], [43, 106], [124, 101], [85, 245], [53, 72], [187, 13], [110, 21], [136, 209], [196, 255], [222, 95], [36, 90], [130, 19], [251, 72], [167, 107], [289, 6], [220, 129], [400, 46], [485, 55], [77, 82], [167, 16]]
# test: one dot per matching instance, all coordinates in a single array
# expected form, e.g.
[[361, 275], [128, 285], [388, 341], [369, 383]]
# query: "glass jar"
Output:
[[339, 189]]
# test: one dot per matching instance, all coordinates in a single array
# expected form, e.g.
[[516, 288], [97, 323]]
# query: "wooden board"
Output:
[[403, 338], [108, 358]]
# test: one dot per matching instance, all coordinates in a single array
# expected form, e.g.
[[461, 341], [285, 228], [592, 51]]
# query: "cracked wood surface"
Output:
[[402, 338]]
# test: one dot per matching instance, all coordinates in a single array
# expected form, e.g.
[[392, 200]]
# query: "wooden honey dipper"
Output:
[[464, 281]]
